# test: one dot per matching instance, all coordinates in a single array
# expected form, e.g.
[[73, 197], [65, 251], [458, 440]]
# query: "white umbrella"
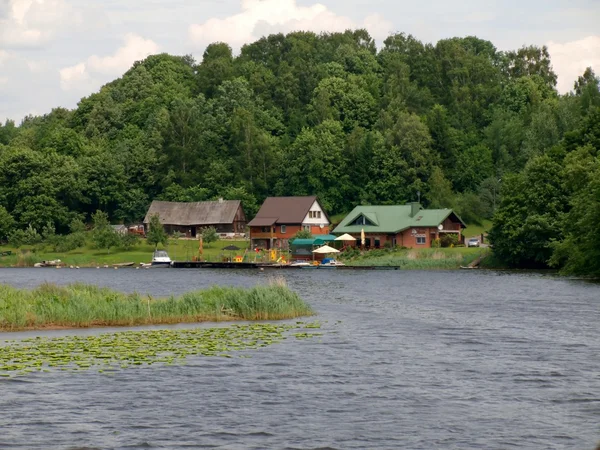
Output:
[[326, 249], [345, 237]]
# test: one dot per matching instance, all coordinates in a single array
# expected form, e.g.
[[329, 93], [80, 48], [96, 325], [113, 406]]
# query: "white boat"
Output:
[[160, 258], [331, 262], [300, 264]]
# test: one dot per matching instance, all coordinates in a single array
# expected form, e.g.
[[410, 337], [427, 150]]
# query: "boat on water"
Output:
[[327, 263], [300, 263], [331, 262], [160, 258]]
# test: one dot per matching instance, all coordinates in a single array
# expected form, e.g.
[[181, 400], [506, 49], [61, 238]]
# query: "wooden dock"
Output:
[[262, 265]]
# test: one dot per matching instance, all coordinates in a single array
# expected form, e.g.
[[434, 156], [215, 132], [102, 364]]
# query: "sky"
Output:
[[54, 52]]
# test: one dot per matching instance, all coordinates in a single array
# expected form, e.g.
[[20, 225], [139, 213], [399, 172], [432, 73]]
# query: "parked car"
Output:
[[473, 242]]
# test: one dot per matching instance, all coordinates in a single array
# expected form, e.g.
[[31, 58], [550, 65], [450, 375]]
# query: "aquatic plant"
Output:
[[419, 259], [108, 352], [81, 305]]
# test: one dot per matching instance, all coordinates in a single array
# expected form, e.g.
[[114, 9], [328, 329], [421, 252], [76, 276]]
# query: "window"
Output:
[[420, 239], [307, 228], [283, 228], [362, 220], [318, 214]]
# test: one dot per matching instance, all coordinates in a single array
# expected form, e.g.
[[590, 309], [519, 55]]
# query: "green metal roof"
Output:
[[392, 219]]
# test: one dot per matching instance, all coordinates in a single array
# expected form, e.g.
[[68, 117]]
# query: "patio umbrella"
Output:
[[345, 237], [362, 237], [326, 249], [231, 248]]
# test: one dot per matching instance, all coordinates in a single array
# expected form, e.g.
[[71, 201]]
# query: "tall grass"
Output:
[[418, 259], [81, 305]]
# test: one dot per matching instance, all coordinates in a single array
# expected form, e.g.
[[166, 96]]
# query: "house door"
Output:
[[193, 232]]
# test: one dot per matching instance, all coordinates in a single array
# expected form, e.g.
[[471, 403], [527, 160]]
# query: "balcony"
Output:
[[266, 235]]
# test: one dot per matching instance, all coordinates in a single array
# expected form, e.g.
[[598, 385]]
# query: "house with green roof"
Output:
[[400, 225]]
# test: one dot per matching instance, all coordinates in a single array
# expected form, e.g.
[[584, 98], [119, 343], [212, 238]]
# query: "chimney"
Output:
[[220, 199], [415, 207]]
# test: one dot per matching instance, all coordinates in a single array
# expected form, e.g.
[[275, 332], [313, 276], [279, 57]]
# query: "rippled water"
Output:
[[420, 360]]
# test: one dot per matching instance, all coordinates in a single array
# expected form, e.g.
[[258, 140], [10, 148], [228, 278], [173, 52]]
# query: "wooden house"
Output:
[[400, 225], [280, 218], [227, 216]]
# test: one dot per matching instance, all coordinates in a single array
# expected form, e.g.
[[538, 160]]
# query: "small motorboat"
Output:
[[300, 263], [330, 262], [160, 258]]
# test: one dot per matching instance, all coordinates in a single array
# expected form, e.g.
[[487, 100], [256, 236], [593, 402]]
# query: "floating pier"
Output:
[[262, 265]]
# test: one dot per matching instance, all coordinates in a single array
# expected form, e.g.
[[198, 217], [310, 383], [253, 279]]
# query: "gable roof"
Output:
[[194, 213], [392, 219], [284, 210]]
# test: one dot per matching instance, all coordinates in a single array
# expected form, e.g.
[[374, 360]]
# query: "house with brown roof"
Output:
[[280, 218], [227, 216]]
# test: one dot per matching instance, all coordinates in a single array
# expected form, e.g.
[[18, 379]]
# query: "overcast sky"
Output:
[[53, 52]]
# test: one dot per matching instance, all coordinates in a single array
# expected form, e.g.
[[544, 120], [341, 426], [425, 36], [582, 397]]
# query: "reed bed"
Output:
[[421, 259], [81, 305]]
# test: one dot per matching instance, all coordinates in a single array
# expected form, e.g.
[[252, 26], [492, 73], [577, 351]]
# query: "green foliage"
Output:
[[128, 241], [530, 215], [29, 236], [156, 233], [7, 223], [103, 235], [579, 252], [303, 234], [209, 235], [448, 240], [304, 114], [81, 305]]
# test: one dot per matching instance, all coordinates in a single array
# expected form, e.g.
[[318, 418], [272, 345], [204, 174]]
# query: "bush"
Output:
[[209, 235], [29, 236], [350, 252], [449, 240], [128, 241]]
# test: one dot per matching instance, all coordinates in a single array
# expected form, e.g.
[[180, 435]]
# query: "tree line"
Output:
[[459, 122]]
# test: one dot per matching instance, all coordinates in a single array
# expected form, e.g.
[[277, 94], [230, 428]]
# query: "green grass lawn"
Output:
[[178, 249], [476, 230]]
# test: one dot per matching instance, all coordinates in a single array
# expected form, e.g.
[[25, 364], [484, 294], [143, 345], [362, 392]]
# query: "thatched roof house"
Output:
[[227, 216]]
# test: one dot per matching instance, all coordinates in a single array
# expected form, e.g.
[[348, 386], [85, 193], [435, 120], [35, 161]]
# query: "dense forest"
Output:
[[465, 125]]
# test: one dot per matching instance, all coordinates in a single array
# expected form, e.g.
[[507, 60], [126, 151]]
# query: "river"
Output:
[[407, 360]]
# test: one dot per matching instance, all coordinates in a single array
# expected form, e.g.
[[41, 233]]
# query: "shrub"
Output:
[[209, 235], [449, 240], [29, 236], [128, 241]]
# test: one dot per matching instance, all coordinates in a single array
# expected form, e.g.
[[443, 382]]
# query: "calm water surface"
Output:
[[420, 360]]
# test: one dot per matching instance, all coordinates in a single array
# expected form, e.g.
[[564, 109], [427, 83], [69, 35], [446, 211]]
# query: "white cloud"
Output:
[[570, 60], [74, 75], [135, 48], [93, 72], [4, 55], [262, 17], [30, 23]]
